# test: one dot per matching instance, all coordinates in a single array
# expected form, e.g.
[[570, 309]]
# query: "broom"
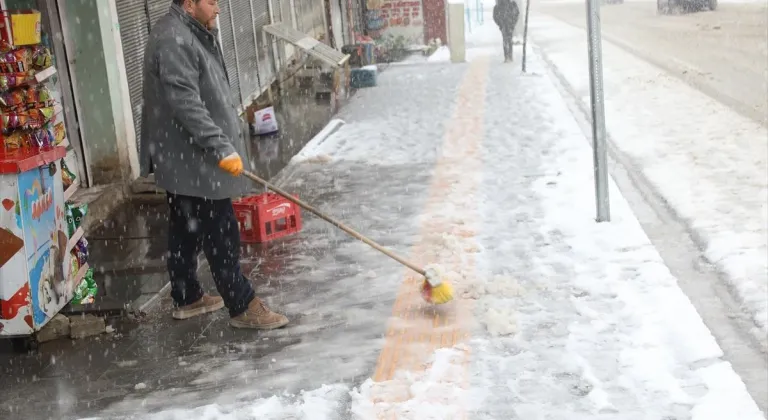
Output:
[[433, 289]]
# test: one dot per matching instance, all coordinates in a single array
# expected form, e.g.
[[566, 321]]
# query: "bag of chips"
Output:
[[17, 140], [67, 177], [78, 214], [87, 289], [43, 138], [81, 249], [23, 98], [41, 57], [13, 99], [19, 60], [70, 219], [59, 134], [74, 265], [12, 80]]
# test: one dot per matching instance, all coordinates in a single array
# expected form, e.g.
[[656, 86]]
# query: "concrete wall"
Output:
[[98, 75], [456, 18]]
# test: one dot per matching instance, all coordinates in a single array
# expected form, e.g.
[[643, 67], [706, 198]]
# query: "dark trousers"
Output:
[[506, 37], [197, 224]]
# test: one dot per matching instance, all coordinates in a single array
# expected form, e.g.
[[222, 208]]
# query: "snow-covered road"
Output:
[[722, 53], [486, 172]]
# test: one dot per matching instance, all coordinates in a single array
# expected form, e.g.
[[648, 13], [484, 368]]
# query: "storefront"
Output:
[[396, 18], [43, 252], [60, 82], [246, 53]]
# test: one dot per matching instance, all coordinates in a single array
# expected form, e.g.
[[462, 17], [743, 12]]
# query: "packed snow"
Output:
[[435, 394]]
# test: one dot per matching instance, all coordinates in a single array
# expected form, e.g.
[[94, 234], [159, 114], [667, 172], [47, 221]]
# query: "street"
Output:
[[723, 53], [487, 171]]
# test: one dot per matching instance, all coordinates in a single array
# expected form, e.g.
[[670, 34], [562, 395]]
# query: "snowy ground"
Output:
[[556, 317], [708, 162]]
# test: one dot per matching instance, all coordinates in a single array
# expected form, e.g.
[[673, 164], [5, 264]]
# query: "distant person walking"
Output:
[[505, 14], [191, 139]]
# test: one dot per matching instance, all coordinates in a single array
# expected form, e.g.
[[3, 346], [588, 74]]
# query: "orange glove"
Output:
[[232, 164]]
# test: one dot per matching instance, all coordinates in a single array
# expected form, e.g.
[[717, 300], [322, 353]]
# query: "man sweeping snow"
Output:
[[191, 140], [505, 14]]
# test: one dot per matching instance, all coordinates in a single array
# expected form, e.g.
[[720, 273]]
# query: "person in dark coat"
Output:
[[505, 14], [192, 140]]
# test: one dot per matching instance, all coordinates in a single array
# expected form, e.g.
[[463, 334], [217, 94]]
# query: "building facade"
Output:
[[99, 52]]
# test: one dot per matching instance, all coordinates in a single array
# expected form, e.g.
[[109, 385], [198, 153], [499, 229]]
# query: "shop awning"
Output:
[[310, 45]]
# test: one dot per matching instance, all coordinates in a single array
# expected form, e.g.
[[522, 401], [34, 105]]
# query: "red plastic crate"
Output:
[[264, 217]]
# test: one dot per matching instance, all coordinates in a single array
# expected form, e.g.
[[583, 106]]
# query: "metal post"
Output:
[[525, 33], [599, 148], [469, 19]]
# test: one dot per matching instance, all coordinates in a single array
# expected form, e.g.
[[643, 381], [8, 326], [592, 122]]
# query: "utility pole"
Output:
[[599, 148]]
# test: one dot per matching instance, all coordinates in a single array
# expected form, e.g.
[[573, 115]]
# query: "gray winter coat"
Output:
[[189, 119]]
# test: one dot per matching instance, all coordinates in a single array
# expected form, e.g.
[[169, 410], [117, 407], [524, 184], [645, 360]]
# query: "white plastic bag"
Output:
[[265, 121]]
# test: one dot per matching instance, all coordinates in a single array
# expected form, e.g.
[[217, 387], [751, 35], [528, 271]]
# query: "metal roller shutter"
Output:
[[318, 16], [305, 16], [261, 19], [247, 54], [228, 46], [157, 9], [134, 32], [357, 10], [285, 15], [285, 12]]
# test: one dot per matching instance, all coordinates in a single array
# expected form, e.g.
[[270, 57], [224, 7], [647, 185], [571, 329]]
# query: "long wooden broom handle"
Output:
[[335, 222]]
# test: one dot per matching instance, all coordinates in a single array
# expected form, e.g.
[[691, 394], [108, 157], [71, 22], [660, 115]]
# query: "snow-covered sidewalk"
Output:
[[485, 171], [707, 162]]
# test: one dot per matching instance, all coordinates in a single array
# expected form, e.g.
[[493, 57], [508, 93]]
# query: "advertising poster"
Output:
[[396, 18], [45, 243], [15, 317]]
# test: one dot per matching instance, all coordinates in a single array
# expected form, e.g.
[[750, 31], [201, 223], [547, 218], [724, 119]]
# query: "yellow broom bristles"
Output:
[[438, 295]]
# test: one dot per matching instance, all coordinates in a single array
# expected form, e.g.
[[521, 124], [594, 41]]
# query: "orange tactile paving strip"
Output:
[[417, 329]]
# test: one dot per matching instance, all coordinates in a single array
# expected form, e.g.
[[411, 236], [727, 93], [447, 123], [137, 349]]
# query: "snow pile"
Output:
[[325, 403], [438, 393], [501, 321], [441, 55], [503, 286], [320, 158]]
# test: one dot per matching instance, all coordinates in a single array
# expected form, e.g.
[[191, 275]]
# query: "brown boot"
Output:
[[205, 305], [258, 317]]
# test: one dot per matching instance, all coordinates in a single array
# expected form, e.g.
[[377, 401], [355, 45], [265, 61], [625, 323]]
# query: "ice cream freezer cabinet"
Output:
[[36, 278]]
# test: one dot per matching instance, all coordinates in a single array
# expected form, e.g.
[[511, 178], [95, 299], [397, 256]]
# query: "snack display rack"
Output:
[[43, 251]]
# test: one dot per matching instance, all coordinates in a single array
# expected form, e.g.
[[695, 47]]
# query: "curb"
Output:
[[154, 300], [308, 150]]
